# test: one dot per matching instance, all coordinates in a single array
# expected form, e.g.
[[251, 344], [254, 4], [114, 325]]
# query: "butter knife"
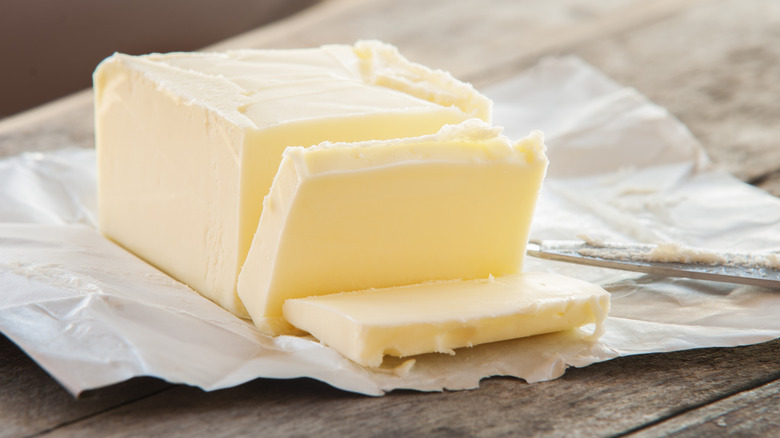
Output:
[[671, 260]]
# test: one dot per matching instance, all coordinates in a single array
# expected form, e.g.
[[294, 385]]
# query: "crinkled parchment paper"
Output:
[[621, 168]]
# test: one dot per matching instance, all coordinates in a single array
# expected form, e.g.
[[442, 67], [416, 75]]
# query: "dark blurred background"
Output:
[[49, 48]]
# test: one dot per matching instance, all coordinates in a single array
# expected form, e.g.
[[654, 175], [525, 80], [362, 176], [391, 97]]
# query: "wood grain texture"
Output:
[[600, 400], [64, 123], [716, 66], [31, 402], [754, 412]]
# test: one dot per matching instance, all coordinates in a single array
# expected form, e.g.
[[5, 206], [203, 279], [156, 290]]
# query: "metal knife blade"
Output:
[[757, 269]]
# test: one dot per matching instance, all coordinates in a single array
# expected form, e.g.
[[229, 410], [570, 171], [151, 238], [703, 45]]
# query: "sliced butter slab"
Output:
[[188, 143], [352, 216], [439, 317]]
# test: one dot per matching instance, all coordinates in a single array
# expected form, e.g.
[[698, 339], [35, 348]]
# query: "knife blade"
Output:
[[671, 260]]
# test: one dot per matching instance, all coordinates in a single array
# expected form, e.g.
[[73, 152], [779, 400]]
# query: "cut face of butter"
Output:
[[352, 216], [189, 143], [438, 317]]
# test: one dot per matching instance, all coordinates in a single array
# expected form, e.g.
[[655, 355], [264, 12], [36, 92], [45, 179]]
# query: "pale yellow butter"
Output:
[[439, 317], [189, 143], [351, 216], [263, 177]]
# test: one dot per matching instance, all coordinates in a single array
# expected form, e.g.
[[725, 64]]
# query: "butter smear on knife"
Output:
[[261, 176]]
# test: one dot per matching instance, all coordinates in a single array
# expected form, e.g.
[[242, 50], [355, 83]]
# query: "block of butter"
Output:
[[189, 143], [272, 181], [441, 316], [351, 216]]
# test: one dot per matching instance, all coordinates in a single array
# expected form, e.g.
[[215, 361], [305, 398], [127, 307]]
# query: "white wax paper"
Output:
[[622, 168]]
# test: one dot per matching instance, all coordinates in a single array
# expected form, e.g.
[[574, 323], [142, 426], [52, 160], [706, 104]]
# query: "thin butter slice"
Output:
[[439, 317], [189, 143], [352, 216]]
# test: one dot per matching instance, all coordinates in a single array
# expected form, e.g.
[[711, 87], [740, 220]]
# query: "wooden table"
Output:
[[713, 63]]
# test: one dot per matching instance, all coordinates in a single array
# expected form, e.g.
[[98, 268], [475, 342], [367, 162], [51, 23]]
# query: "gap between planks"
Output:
[[97, 413], [709, 411]]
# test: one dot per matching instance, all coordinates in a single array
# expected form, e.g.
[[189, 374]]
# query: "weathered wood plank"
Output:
[[599, 400], [32, 402], [66, 122], [717, 67], [754, 413]]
